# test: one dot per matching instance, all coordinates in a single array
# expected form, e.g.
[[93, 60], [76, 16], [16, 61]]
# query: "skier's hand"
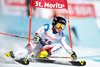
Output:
[[73, 55], [36, 38]]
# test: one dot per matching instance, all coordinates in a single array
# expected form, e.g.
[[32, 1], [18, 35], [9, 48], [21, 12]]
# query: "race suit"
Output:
[[48, 40]]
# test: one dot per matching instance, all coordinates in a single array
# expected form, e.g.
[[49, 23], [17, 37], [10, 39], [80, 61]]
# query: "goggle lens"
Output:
[[59, 25]]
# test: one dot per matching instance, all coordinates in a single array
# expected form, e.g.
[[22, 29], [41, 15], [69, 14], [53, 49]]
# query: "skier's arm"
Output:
[[40, 31], [38, 34], [67, 48]]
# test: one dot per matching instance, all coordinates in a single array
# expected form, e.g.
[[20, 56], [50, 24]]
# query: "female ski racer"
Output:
[[44, 44]]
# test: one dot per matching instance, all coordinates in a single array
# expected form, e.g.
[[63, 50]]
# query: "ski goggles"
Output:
[[59, 25]]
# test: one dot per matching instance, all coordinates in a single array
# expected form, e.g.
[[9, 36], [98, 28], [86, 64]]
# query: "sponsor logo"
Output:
[[15, 2], [48, 5], [50, 37]]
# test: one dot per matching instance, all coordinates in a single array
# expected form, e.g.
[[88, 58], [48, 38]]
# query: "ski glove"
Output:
[[36, 38], [73, 55]]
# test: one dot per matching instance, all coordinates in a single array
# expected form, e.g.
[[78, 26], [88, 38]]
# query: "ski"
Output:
[[63, 62], [23, 61], [78, 63], [26, 61], [8, 58]]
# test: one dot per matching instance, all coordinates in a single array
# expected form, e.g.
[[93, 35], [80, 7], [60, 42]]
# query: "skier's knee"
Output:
[[44, 54], [56, 48]]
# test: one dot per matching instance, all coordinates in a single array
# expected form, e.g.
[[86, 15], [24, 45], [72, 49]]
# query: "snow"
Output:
[[90, 63], [90, 55]]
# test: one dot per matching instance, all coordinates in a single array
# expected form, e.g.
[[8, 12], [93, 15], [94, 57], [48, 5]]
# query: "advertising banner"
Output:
[[14, 7], [78, 10], [81, 10], [53, 4]]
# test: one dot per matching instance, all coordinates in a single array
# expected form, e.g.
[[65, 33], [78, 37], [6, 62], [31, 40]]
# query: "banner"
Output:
[[14, 7], [78, 10], [52, 4], [81, 10], [15, 2]]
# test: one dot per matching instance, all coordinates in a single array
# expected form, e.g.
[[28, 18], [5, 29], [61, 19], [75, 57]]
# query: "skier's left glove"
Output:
[[36, 38], [73, 55]]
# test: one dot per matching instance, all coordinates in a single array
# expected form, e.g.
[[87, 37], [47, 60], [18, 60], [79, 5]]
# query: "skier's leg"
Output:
[[17, 54], [35, 51], [21, 55], [49, 50], [21, 52]]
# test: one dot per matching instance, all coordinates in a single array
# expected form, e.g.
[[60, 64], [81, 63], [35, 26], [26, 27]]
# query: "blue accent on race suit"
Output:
[[48, 26]]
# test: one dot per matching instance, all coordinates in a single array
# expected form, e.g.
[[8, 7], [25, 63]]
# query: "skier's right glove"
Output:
[[73, 55], [36, 38]]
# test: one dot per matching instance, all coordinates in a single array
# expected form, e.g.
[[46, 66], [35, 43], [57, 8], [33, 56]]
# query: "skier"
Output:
[[44, 44]]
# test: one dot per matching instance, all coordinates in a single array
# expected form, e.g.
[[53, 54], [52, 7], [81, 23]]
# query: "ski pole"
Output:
[[15, 36], [59, 57]]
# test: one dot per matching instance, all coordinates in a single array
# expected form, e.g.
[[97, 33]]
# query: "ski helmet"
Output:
[[57, 20]]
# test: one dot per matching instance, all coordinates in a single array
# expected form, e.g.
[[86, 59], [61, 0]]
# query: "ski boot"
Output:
[[10, 54]]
